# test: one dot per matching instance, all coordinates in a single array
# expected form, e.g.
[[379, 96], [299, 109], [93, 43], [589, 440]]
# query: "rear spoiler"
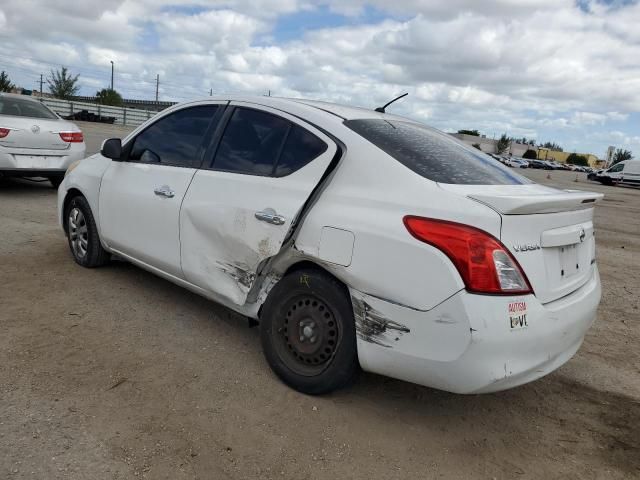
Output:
[[529, 204]]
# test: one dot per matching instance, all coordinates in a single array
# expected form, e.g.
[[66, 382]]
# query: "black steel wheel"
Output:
[[308, 332]]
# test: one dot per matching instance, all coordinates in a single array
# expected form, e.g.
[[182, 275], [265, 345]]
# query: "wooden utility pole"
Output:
[[41, 85], [157, 85]]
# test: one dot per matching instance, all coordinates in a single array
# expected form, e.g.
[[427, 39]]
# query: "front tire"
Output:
[[82, 234], [308, 332]]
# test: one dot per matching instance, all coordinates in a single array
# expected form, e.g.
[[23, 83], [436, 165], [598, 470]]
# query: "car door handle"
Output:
[[164, 191], [269, 215]]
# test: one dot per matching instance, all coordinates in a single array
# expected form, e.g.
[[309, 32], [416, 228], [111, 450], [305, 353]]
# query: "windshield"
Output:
[[19, 107], [433, 154]]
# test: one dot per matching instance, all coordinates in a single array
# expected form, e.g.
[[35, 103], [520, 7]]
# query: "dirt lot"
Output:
[[113, 373]]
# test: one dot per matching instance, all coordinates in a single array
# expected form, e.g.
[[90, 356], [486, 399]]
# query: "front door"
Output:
[[140, 196], [239, 210]]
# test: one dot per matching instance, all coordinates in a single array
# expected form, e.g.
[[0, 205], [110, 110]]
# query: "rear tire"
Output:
[[308, 332], [82, 234]]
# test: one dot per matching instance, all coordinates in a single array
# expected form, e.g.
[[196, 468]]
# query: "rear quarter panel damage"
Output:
[[441, 334]]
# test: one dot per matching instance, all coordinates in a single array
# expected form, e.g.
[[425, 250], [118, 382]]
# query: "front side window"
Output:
[[176, 139], [433, 154], [252, 142], [19, 107], [617, 168]]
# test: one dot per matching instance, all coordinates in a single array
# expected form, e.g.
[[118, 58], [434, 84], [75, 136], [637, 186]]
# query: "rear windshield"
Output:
[[19, 107], [433, 154]]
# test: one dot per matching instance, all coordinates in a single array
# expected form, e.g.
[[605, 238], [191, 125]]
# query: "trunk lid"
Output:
[[548, 231], [34, 133]]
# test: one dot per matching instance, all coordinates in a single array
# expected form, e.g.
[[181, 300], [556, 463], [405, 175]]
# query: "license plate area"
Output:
[[569, 261], [35, 162]]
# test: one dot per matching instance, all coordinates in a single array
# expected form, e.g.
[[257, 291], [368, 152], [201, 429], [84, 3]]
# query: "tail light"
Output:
[[71, 137], [4, 132], [483, 262]]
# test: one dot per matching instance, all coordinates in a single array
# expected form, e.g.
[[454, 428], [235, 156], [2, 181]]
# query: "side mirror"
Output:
[[112, 148]]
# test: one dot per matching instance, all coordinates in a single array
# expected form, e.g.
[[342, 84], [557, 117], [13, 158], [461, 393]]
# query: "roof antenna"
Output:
[[382, 109]]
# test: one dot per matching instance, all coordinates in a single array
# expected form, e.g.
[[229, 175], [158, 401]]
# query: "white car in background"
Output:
[[356, 239], [35, 141], [516, 162]]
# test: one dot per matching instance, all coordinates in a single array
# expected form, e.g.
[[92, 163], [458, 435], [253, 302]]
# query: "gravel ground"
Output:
[[113, 373]]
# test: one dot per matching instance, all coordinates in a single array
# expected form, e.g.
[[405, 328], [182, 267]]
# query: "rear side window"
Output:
[[176, 139], [19, 107], [433, 154], [252, 142], [300, 148]]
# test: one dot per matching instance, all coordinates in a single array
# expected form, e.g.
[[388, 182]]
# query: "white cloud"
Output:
[[529, 67]]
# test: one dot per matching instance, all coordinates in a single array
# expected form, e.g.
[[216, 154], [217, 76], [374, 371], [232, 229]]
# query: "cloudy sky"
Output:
[[558, 70]]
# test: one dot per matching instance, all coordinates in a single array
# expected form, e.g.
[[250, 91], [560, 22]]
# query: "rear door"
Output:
[[140, 197], [239, 209]]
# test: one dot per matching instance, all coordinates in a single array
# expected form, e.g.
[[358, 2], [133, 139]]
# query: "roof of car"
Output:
[[346, 112]]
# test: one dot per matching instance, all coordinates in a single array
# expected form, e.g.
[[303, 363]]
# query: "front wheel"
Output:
[[82, 234], [308, 332]]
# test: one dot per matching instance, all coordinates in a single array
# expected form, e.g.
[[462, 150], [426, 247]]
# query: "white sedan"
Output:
[[357, 239], [35, 141]]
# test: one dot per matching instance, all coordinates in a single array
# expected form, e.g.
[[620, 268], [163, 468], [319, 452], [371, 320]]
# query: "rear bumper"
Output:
[[467, 344], [40, 163], [54, 172]]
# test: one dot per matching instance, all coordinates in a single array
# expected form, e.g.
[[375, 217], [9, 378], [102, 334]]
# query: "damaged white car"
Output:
[[356, 238]]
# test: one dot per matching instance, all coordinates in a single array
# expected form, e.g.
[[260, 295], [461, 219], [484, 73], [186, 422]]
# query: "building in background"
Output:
[[608, 159], [489, 145], [516, 149], [546, 154]]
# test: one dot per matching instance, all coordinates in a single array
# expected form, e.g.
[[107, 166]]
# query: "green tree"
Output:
[[552, 146], [621, 155], [5, 83], [530, 154], [106, 96], [576, 159], [503, 144], [475, 133], [62, 84]]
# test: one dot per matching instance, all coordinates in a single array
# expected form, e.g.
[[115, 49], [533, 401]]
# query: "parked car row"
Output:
[[519, 162]]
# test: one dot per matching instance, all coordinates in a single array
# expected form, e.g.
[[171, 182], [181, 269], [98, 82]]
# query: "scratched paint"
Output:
[[240, 273], [372, 326]]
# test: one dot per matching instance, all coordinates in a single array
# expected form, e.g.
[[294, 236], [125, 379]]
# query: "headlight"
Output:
[[71, 167]]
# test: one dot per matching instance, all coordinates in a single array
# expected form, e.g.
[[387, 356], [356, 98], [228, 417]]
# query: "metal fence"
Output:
[[123, 116]]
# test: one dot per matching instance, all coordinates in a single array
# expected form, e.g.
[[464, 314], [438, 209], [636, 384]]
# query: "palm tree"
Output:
[[621, 155], [5, 83], [503, 144], [62, 84]]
